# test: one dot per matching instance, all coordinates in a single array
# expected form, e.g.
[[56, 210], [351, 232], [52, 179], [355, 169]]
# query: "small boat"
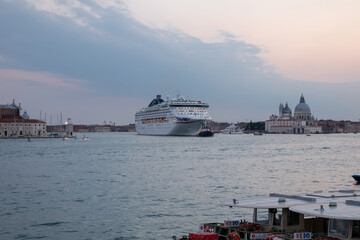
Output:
[[258, 133], [85, 138], [232, 129], [356, 177]]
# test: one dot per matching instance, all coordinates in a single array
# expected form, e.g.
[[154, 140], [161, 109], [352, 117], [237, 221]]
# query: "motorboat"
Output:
[[232, 129]]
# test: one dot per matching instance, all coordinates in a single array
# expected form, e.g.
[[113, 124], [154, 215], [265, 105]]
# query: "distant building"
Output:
[[125, 128], [101, 128], [355, 127], [81, 128], [331, 126], [301, 123], [13, 124]]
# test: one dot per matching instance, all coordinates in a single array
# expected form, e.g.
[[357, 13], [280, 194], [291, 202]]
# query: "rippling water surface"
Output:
[[127, 186]]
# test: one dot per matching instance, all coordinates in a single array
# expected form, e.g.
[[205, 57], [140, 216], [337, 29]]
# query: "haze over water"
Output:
[[127, 186]]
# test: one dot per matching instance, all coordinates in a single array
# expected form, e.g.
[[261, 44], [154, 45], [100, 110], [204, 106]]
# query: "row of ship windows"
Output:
[[190, 108], [154, 120], [191, 102], [191, 114]]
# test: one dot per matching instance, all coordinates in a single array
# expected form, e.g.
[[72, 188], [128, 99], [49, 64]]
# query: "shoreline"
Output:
[[37, 137]]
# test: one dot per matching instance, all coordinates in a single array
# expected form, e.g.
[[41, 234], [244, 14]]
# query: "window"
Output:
[[292, 218], [356, 229], [338, 227], [261, 216], [277, 216]]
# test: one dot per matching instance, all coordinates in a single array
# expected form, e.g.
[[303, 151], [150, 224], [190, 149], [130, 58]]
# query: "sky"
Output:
[[102, 60]]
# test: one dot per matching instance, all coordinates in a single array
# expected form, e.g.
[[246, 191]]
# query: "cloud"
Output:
[[119, 5], [116, 57], [42, 78], [227, 35], [68, 8], [3, 58]]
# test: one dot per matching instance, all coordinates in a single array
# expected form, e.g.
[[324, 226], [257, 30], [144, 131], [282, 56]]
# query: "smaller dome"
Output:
[[25, 115], [286, 109]]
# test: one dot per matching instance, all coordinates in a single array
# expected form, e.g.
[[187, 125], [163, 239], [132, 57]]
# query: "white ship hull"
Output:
[[170, 129]]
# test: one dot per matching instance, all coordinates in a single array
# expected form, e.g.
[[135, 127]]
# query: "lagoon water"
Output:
[[127, 186]]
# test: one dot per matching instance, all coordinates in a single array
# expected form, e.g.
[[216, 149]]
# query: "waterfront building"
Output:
[[13, 124], [356, 127], [332, 126], [302, 122]]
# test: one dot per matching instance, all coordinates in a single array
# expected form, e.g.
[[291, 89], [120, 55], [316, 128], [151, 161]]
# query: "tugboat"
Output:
[[205, 132]]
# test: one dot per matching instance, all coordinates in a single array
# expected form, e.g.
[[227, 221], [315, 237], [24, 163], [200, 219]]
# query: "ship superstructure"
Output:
[[178, 117]]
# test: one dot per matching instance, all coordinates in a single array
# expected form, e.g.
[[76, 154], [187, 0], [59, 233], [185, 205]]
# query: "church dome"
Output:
[[287, 109], [302, 107], [25, 115]]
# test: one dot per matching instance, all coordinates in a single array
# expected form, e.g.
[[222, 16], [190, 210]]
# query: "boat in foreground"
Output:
[[356, 177], [175, 117], [320, 216]]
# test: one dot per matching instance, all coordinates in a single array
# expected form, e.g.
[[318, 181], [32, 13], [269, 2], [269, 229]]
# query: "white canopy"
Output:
[[342, 211], [272, 201]]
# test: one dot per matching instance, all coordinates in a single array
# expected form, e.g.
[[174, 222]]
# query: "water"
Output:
[[126, 186]]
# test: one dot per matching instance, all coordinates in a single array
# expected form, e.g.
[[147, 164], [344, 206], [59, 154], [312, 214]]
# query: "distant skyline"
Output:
[[98, 61]]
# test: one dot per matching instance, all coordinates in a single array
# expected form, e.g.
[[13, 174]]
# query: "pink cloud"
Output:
[[45, 78]]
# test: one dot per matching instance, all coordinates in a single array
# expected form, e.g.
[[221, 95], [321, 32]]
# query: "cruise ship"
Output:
[[172, 117]]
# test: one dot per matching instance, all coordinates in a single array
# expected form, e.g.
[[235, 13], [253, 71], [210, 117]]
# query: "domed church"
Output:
[[301, 123], [302, 110]]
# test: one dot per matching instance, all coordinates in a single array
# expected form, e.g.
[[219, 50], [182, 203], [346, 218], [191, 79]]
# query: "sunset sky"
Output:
[[304, 40], [102, 60]]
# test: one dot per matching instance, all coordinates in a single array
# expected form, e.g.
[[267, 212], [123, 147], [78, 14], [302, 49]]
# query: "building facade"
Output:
[[13, 124], [302, 122]]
